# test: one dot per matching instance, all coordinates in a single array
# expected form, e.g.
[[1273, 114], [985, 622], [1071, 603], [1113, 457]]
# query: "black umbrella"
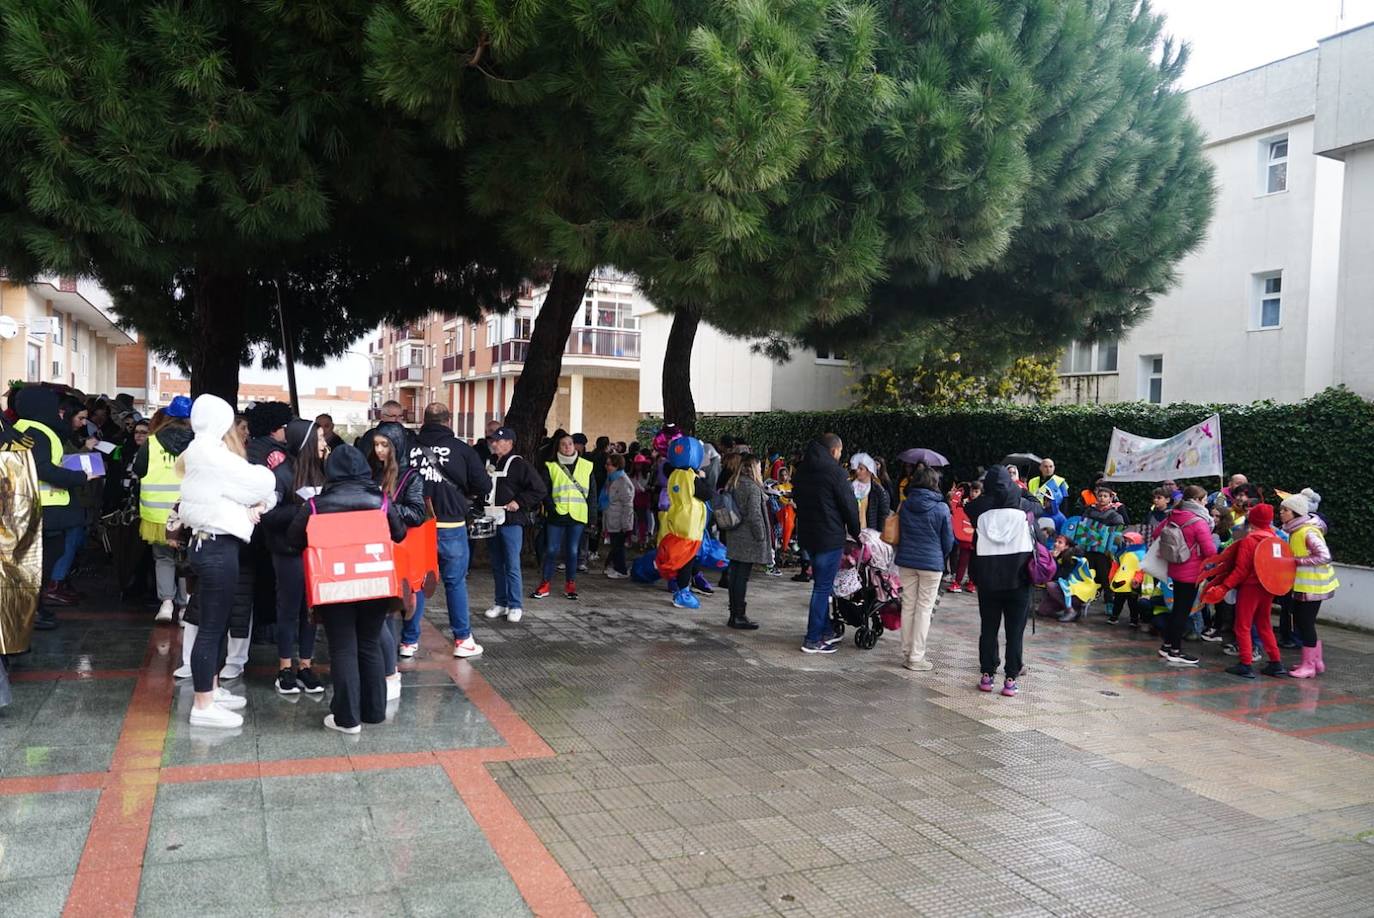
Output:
[[1020, 459]]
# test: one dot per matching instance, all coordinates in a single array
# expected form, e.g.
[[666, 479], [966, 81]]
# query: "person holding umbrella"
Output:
[[913, 461]]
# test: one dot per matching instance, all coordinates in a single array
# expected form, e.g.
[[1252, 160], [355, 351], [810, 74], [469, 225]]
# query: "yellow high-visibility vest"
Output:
[[570, 493], [160, 489], [1318, 579], [48, 495]]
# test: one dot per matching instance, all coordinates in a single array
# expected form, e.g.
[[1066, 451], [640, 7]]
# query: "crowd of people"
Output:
[[208, 514]]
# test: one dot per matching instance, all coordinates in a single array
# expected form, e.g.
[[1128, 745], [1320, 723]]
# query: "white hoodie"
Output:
[[219, 486]]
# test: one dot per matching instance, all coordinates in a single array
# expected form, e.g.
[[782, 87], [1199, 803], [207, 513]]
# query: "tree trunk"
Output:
[[538, 382], [217, 335], [678, 406]]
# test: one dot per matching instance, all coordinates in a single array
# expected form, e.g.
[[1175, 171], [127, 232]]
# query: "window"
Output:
[[1267, 309], [58, 324], [416, 354], [1152, 378], [493, 330], [610, 314], [830, 355], [1275, 152], [1089, 357], [524, 325], [35, 368]]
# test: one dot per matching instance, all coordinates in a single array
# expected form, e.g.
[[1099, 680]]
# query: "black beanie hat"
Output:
[[265, 417]]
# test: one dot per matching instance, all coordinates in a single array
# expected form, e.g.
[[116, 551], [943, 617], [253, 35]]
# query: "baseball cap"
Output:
[[502, 433]]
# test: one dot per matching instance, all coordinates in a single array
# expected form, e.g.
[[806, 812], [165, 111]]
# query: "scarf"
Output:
[[603, 499]]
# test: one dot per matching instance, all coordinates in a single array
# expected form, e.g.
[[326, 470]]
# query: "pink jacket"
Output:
[[1196, 524]]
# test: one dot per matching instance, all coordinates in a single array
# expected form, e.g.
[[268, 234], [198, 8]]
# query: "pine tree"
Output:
[[1119, 191], [204, 159]]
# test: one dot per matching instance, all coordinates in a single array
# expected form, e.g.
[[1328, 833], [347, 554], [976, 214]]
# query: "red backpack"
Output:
[[349, 557]]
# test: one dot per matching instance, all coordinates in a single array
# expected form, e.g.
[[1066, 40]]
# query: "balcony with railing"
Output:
[[510, 351], [410, 374], [374, 380], [408, 333], [603, 342], [453, 363]]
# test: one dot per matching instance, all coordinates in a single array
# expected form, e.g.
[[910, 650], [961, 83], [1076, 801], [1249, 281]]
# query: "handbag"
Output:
[[892, 529]]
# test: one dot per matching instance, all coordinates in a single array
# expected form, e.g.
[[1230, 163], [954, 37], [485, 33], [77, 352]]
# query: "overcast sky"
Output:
[[1227, 36]]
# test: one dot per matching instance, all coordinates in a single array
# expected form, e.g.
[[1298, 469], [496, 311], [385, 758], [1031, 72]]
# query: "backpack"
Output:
[[725, 512], [1173, 546]]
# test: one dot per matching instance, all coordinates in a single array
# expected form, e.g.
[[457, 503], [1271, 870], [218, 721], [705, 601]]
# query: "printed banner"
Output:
[[1195, 453]]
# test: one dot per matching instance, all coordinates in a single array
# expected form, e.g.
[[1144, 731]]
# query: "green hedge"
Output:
[[1325, 443]]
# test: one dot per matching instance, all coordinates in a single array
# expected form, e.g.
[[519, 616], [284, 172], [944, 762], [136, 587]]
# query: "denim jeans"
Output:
[[504, 550], [453, 569], [216, 564], [566, 538], [410, 628], [824, 566], [294, 626], [75, 538]]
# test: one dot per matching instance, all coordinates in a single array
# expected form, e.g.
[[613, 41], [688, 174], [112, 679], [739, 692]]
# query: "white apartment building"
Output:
[[1276, 303]]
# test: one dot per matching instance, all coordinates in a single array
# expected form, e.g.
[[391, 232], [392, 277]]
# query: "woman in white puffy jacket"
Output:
[[222, 499]]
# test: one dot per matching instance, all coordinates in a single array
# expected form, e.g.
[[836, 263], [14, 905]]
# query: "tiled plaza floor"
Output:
[[617, 756]]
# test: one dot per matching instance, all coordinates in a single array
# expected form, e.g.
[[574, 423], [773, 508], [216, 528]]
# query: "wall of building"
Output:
[[1355, 357], [726, 377], [809, 383], [610, 408], [1205, 328]]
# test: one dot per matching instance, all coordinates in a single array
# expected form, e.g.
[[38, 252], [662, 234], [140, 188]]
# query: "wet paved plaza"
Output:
[[619, 757]]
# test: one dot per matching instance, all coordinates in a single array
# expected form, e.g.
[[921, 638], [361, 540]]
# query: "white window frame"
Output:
[[1096, 352], [1258, 296], [1267, 162], [831, 358], [1149, 374]]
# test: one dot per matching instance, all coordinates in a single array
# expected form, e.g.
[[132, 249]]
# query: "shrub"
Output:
[[1322, 443]]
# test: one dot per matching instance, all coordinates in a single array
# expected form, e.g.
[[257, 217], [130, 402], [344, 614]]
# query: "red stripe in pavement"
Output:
[[545, 886], [106, 882], [51, 784]]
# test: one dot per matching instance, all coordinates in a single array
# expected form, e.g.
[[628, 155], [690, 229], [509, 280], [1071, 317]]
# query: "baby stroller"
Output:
[[867, 597]]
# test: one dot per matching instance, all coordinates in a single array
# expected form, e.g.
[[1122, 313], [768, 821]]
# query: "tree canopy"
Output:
[[202, 159]]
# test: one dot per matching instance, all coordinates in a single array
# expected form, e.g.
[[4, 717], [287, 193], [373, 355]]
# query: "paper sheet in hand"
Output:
[[90, 463], [106, 447]]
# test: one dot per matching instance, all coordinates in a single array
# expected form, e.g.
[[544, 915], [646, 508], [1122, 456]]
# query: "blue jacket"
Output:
[[926, 533]]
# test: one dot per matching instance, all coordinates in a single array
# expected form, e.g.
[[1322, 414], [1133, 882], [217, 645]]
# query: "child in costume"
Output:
[[1253, 601], [684, 520], [963, 534], [1073, 586]]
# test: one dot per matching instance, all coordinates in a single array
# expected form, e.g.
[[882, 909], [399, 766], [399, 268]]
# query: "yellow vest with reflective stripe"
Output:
[[570, 494], [1318, 579], [48, 495], [160, 489]]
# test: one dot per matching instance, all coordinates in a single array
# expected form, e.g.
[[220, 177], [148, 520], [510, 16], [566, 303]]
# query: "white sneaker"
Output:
[[351, 731], [613, 574], [466, 648], [409, 650], [215, 716], [231, 671], [393, 687], [228, 700], [164, 611], [514, 615], [495, 612], [182, 672]]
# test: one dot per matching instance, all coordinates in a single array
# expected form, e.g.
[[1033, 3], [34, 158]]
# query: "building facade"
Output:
[[612, 366], [60, 330], [1276, 303]]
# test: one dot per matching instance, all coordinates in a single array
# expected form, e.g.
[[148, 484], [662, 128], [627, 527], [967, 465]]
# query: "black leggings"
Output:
[[1224, 617], [617, 558], [1306, 615], [1185, 594], [216, 565], [739, 584]]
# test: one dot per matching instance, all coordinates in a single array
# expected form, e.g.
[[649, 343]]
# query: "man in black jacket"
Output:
[[454, 477], [518, 489], [826, 511]]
